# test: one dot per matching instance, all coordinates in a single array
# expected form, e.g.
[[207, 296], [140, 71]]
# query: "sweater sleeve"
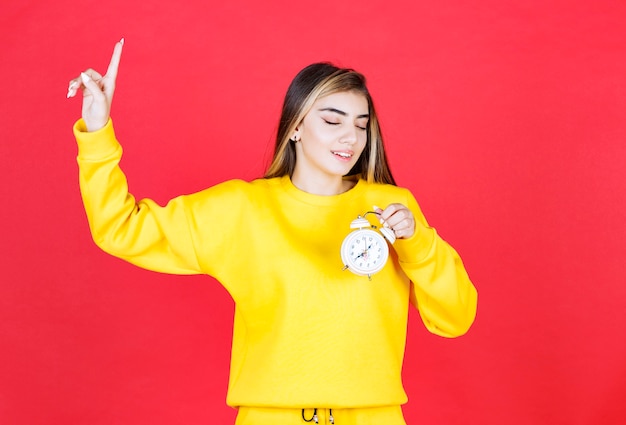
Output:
[[141, 232], [440, 286]]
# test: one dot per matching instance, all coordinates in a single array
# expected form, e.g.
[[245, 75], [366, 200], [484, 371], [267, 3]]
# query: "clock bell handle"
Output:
[[388, 233]]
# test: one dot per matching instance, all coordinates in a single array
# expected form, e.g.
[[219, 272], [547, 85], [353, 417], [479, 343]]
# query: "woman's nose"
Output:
[[350, 136]]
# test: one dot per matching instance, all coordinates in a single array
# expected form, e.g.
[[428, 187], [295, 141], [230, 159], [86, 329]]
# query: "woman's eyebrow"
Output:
[[337, 111]]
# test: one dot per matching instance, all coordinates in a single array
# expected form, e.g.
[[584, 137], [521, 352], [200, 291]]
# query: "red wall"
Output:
[[506, 119]]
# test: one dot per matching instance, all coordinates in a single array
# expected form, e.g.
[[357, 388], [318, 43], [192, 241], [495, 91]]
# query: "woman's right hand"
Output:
[[97, 91]]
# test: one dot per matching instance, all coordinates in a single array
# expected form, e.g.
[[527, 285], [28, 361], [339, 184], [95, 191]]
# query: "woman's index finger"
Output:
[[115, 59]]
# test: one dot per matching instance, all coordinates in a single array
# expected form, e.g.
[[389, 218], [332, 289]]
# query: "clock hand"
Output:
[[364, 252]]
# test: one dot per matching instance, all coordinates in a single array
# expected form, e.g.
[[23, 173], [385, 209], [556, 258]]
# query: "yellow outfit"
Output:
[[306, 333]]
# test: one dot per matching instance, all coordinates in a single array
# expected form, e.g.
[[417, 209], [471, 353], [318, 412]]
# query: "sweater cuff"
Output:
[[97, 144], [416, 248]]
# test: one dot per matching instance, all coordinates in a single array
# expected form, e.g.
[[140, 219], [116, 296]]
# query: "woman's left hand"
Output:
[[398, 218]]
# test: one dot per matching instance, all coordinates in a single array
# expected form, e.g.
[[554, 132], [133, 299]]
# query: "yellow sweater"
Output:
[[306, 333]]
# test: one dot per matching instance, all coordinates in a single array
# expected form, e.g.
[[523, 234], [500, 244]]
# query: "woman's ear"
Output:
[[296, 134]]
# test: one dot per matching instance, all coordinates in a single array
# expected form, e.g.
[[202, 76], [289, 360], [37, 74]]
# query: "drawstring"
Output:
[[315, 419]]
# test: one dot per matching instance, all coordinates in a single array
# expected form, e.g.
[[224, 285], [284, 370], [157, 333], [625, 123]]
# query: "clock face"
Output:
[[364, 252]]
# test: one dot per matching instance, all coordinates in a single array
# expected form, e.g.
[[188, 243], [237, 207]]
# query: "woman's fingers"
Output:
[[114, 64], [91, 87], [77, 83], [106, 83], [97, 91], [398, 218], [73, 88]]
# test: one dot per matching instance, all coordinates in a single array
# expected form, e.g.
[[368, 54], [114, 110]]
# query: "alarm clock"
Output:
[[364, 251]]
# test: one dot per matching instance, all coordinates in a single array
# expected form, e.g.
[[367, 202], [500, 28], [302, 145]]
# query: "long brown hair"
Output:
[[311, 83]]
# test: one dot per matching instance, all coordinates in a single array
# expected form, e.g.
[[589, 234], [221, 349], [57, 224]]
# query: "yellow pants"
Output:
[[391, 415]]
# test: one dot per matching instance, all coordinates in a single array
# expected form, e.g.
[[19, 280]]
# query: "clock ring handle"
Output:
[[387, 232]]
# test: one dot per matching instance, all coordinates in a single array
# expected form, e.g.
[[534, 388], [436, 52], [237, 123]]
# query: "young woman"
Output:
[[318, 336]]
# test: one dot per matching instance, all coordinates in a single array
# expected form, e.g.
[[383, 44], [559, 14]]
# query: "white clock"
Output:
[[364, 251]]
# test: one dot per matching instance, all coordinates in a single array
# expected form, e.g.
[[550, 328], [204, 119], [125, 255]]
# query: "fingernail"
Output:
[[122, 41], [84, 77]]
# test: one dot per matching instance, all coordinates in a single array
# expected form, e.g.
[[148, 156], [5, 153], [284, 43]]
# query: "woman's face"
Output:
[[331, 136]]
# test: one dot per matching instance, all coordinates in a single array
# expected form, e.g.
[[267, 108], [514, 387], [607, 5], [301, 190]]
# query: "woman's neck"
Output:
[[322, 186]]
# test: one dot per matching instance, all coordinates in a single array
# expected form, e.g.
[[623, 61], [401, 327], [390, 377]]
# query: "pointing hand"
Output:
[[97, 91]]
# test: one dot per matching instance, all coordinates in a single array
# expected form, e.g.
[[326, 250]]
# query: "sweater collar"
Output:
[[322, 200]]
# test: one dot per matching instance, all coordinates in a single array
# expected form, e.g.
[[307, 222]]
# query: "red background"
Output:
[[506, 119]]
